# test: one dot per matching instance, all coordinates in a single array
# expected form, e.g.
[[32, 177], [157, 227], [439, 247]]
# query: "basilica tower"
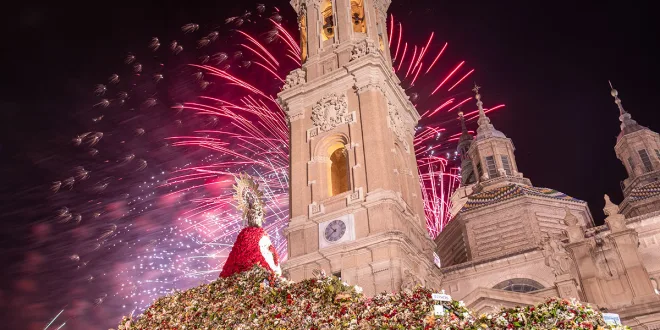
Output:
[[355, 201], [638, 148]]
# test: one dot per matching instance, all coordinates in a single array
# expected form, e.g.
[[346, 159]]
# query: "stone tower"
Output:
[[355, 201], [638, 148], [502, 213]]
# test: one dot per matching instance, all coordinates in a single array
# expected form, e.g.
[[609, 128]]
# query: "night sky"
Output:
[[548, 63]]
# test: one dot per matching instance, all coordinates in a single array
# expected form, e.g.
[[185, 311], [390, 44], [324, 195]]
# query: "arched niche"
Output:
[[333, 165]]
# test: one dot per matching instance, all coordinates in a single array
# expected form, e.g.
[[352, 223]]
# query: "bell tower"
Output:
[[356, 208], [638, 148]]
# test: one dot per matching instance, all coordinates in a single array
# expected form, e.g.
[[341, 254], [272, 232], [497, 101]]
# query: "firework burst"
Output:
[[145, 201]]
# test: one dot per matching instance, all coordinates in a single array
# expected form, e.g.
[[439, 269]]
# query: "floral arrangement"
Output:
[[259, 299]]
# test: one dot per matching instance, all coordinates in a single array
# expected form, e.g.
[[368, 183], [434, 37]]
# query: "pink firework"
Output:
[[148, 193]]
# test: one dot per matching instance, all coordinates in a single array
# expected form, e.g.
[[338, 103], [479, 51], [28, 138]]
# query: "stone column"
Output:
[[344, 25], [299, 191]]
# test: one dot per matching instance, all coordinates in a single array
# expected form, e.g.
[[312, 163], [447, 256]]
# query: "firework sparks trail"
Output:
[[146, 207], [53, 320]]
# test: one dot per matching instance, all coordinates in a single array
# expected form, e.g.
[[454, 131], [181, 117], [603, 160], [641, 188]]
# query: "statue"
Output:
[[574, 230], [615, 220], [253, 245], [555, 256]]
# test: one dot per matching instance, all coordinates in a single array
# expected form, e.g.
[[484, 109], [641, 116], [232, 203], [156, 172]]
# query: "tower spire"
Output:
[[617, 100], [486, 129], [628, 125]]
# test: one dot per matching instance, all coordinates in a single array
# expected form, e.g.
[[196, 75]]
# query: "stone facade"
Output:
[[509, 242], [349, 98]]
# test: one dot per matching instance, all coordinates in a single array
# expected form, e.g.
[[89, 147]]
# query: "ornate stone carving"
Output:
[[315, 209], [356, 196], [330, 111], [409, 281], [295, 78], [398, 126], [556, 256], [362, 48]]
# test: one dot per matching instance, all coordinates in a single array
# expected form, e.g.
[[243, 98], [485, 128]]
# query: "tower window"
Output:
[[339, 175], [357, 16], [646, 160], [328, 21], [492, 169], [507, 165]]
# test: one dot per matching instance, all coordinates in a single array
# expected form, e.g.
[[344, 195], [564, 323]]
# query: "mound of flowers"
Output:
[[258, 299]]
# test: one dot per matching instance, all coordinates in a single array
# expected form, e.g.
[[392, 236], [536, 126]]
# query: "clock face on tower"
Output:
[[335, 230]]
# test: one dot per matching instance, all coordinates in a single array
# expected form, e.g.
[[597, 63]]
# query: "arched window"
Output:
[[327, 13], [522, 285], [339, 170], [357, 16]]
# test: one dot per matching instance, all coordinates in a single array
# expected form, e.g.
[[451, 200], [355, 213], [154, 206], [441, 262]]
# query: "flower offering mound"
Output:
[[259, 299]]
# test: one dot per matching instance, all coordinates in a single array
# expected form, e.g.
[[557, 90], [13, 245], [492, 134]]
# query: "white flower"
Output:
[[358, 289], [461, 304]]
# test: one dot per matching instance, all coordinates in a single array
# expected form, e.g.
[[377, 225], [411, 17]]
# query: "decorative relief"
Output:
[[316, 209], [409, 281], [556, 256], [295, 78], [363, 48], [397, 125], [330, 112], [356, 196]]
